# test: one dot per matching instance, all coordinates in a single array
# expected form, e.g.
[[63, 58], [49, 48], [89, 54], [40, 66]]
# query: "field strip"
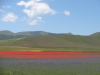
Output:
[[48, 54]]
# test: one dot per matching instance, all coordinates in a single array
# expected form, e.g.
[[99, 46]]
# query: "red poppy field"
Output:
[[48, 54]]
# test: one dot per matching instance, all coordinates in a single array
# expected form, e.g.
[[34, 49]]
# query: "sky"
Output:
[[79, 17]]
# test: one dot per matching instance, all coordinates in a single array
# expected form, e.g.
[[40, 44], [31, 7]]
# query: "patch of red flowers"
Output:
[[48, 54]]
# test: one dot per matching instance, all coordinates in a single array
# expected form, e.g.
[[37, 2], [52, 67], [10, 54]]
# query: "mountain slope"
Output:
[[10, 35], [6, 32], [38, 39], [4, 35], [95, 34], [57, 41], [33, 33]]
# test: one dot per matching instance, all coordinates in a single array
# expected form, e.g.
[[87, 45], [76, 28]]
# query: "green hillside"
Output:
[[49, 41], [33, 33], [95, 34], [5, 34]]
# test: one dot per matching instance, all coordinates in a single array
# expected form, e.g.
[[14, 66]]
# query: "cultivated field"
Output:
[[18, 48], [49, 63], [49, 67], [15, 60]]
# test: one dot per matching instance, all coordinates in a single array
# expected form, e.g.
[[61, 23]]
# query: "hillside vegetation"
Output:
[[49, 41], [41, 39], [4, 35]]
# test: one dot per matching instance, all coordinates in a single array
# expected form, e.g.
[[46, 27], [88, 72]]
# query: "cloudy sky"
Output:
[[80, 17]]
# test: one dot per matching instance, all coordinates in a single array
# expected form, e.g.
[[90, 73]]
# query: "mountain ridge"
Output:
[[5, 34]]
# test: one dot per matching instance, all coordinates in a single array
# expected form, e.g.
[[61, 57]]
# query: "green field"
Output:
[[13, 48], [50, 69]]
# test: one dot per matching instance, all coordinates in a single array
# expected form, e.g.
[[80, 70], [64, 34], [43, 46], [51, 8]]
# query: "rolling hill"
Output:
[[40, 39], [5, 34], [58, 41], [54, 41]]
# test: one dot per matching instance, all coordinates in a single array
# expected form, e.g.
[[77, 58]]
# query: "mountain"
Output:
[[33, 33], [4, 35], [54, 41], [95, 34], [36, 39], [58, 41], [6, 32], [41, 39]]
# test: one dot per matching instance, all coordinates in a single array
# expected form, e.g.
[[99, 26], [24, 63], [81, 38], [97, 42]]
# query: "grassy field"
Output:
[[9, 41], [13, 48], [50, 69]]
